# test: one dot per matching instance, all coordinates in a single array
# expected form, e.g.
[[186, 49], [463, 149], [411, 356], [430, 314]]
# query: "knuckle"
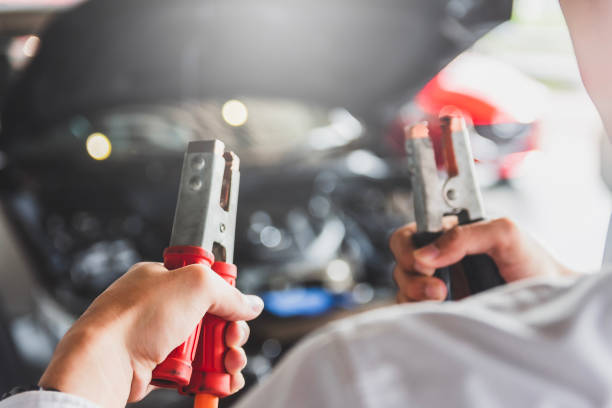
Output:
[[401, 235], [138, 266], [507, 227], [199, 275], [143, 269], [504, 223]]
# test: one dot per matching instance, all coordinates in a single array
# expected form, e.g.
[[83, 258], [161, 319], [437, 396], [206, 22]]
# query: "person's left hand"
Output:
[[515, 253], [110, 352]]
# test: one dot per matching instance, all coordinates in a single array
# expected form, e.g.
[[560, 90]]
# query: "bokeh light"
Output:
[[338, 270], [98, 146], [30, 46], [234, 112]]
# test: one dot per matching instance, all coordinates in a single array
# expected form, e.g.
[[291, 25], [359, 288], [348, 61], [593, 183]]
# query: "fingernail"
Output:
[[427, 253], [241, 385], [256, 302], [433, 292], [244, 328]]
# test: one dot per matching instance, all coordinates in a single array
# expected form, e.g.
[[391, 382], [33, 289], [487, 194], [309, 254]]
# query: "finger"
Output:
[[215, 294], [150, 267], [236, 382], [235, 360], [449, 221], [479, 238], [236, 334], [419, 288], [402, 247]]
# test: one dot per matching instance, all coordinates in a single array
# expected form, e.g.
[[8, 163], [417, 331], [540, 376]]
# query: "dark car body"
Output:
[[153, 74]]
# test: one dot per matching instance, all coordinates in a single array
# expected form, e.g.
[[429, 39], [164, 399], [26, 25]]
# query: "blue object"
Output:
[[301, 302]]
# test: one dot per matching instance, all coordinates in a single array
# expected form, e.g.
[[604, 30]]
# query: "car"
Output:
[[501, 105], [95, 125]]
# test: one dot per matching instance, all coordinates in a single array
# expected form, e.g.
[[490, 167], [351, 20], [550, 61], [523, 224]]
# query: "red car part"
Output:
[[498, 102], [203, 233]]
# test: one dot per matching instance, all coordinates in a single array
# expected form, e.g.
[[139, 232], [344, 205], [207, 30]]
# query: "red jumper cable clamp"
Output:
[[203, 233], [458, 195]]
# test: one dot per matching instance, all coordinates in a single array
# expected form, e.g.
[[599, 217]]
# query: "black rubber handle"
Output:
[[421, 239], [481, 272]]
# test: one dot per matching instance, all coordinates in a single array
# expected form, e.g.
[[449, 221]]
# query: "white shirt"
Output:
[[46, 399], [536, 343]]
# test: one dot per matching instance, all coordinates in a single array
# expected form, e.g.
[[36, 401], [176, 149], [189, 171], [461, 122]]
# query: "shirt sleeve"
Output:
[[46, 399]]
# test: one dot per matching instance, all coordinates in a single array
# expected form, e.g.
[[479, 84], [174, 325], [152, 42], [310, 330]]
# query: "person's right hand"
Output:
[[108, 355], [517, 255]]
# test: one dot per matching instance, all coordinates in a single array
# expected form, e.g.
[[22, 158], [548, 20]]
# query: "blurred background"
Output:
[[100, 98]]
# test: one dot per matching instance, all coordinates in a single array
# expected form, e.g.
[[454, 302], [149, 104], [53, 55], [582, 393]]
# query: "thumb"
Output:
[[488, 237], [217, 296], [230, 304]]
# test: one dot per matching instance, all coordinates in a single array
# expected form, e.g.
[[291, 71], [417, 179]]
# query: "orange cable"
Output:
[[205, 401]]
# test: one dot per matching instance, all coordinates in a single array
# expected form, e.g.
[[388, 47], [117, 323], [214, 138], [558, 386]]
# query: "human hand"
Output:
[[110, 352], [516, 255]]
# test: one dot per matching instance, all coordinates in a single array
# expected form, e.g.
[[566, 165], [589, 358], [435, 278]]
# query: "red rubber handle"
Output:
[[209, 375], [175, 370]]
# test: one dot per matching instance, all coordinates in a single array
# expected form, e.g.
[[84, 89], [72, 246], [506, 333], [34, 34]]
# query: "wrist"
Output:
[[90, 362]]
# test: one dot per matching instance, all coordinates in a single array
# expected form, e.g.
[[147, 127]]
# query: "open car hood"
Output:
[[367, 56]]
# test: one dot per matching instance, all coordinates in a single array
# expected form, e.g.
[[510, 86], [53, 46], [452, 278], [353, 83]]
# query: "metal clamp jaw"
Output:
[[457, 195], [205, 213]]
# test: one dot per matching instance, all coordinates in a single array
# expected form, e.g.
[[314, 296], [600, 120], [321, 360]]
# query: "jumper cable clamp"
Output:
[[203, 233], [458, 195]]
